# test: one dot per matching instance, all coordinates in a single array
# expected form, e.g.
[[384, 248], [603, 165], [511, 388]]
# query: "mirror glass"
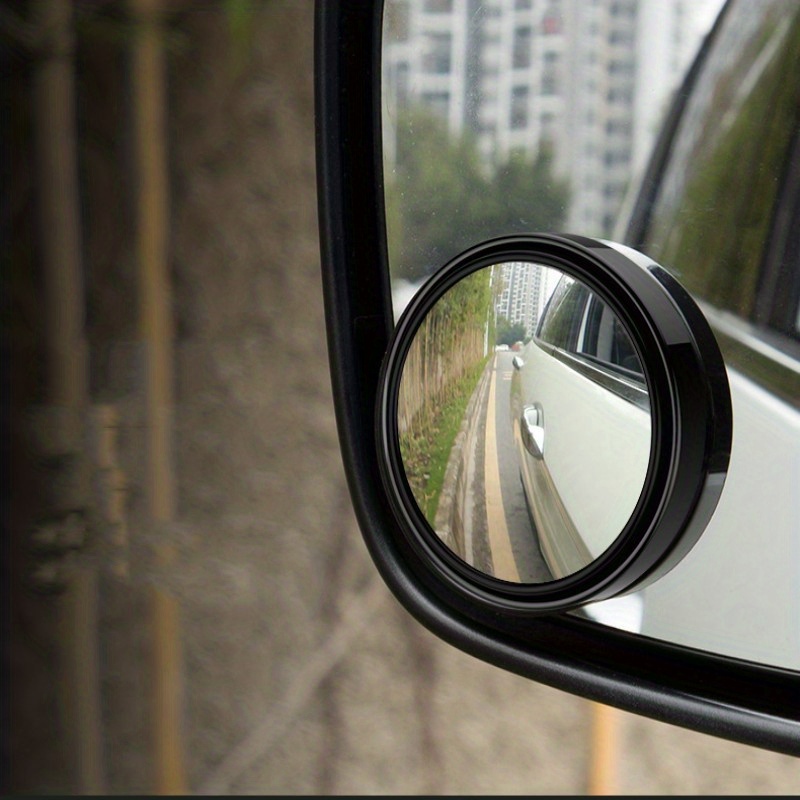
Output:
[[504, 116], [524, 422], [517, 116]]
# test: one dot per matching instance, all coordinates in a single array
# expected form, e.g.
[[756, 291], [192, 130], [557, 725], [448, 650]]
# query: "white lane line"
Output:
[[505, 567]]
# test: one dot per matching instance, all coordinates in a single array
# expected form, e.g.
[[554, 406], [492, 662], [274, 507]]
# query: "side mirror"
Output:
[[615, 432], [670, 414]]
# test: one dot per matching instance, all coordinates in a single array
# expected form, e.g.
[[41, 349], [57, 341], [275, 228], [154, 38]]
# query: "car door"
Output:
[[581, 472]]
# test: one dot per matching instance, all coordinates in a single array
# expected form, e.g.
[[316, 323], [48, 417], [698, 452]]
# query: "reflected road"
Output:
[[493, 530], [529, 562], [530, 565]]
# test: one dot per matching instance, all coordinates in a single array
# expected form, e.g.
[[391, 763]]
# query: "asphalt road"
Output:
[[502, 525]]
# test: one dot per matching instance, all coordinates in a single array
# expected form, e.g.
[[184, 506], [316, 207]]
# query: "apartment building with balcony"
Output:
[[589, 79]]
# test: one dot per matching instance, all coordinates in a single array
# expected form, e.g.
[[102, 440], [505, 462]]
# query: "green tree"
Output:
[[526, 195], [441, 199], [435, 196], [508, 333]]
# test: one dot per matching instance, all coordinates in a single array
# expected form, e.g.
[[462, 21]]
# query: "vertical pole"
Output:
[[60, 238], [67, 373], [81, 680], [604, 754], [156, 331]]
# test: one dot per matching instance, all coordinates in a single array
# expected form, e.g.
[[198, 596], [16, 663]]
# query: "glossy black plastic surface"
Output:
[[690, 410]]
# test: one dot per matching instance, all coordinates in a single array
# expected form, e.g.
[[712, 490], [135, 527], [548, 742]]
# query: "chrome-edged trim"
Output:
[[748, 350], [749, 335], [632, 391]]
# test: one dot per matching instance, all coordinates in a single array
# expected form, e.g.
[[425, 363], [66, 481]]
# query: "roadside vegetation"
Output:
[[427, 446], [442, 369]]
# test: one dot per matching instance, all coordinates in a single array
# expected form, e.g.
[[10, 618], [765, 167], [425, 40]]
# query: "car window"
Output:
[[563, 317], [605, 340], [778, 299], [710, 222], [730, 234], [579, 322], [582, 332]]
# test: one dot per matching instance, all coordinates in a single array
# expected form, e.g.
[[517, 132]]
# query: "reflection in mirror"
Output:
[[504, 116], [583, 88], [524, 422]]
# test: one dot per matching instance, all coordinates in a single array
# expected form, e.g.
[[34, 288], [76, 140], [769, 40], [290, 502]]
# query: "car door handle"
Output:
[[532, 428]]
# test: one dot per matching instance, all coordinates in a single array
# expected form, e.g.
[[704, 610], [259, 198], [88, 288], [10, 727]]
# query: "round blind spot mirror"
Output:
[[554, 422], [524, 422]]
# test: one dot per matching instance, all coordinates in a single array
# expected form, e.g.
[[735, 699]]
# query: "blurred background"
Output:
[[189, 605]]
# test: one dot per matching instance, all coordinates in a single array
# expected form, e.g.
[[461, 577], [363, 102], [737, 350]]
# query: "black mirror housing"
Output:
[[742, 701]]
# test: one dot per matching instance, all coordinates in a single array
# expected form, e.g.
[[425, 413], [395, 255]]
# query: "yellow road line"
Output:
[[505, 567]]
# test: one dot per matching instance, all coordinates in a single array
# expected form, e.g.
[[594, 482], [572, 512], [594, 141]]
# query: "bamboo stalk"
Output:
[[67, 371], [156, 331]]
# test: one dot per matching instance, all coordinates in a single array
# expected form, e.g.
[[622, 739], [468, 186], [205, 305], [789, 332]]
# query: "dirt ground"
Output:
[[301, 674]]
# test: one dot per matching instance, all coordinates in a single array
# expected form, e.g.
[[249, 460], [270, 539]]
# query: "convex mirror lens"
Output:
[[524, 422]]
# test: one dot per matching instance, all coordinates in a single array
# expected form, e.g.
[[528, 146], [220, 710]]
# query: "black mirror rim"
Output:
[[691, 414]]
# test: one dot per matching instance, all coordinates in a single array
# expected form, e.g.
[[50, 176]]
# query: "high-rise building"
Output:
[[589, 79], [525, 290]]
